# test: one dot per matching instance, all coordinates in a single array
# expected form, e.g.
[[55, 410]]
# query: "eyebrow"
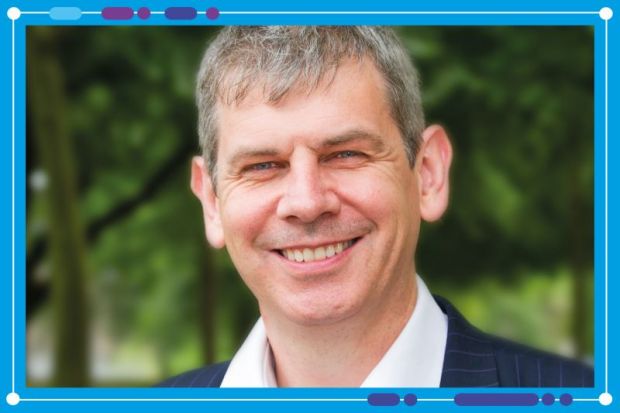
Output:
[[250, 153], [354, 135], [351, 136]]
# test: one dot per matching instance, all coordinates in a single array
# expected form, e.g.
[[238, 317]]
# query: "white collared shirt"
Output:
[[415, 359]]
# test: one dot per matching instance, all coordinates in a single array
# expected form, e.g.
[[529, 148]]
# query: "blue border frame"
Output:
[[425, 12]]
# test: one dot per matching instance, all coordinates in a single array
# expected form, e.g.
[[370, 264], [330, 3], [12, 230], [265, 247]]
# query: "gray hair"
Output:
[[280, 58]]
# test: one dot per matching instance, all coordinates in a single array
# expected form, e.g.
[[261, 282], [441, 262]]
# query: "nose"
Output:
[[306, 197]]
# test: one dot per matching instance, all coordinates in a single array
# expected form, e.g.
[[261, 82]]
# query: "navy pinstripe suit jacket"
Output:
[[472, 359]]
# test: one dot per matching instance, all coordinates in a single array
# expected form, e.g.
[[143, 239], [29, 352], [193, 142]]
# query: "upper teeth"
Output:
[[316, 254]]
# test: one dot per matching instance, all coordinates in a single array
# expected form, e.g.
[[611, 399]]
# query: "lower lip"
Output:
[[312, 267]]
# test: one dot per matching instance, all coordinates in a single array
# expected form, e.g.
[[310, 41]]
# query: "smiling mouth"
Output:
[[316, 254]]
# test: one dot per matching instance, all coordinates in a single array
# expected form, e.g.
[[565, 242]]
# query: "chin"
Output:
[[321, 314]]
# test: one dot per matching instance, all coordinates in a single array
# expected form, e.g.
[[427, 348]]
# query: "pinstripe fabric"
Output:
[[210, 376], [476, 359], [472, 359]]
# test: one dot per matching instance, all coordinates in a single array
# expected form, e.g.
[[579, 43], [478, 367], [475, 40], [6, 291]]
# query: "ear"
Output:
[[202, 187], [433, 167]]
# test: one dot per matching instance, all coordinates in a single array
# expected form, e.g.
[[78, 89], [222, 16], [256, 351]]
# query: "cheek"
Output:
[[243, 217], [380, 196]]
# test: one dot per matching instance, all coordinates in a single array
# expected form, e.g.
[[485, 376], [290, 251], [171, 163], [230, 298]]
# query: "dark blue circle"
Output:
[[566, 399], [548, 399], [212, 13], [410, 399], [144, 13]]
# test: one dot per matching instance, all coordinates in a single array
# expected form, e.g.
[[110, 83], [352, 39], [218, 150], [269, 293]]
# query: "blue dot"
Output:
[[410, 399], [548, 399], [144, 13], [566, 399], [212, 13]]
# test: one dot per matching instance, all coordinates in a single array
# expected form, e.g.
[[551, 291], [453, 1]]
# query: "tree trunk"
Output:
[[66, 238]]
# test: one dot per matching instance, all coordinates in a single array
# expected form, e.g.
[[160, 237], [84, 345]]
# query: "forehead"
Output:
[[241, 85], [352, 96]]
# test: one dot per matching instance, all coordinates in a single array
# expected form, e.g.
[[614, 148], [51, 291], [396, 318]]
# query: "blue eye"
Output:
[[263, 166], [347, 154]]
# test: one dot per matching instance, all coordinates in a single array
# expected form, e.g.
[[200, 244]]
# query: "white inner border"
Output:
[[13, 205], [303, 13]]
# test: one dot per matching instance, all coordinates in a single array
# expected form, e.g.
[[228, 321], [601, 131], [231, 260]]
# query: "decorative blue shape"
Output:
[[566, 399], [117, 13], [144, 13], [383, 399], [65, 13], [410, 399], [180, 13], [212, 13], [496, 399], [548, 399]]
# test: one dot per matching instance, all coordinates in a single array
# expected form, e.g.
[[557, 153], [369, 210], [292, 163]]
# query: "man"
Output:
[[316, 172]]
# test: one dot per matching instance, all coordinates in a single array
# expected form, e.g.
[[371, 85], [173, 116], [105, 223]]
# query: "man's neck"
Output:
[[340, 354]]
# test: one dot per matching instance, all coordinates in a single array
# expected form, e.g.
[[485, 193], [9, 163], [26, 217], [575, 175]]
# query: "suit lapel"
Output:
[[469, 360]]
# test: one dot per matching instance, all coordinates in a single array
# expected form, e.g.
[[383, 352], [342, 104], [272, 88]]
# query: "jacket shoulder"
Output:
[[474, 358], [523, 366], [209, 376]]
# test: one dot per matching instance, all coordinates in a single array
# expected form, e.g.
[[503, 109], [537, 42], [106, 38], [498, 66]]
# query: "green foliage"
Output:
[[518, 104]]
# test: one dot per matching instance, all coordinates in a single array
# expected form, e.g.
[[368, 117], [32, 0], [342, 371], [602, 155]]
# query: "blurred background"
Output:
[[122, 289]]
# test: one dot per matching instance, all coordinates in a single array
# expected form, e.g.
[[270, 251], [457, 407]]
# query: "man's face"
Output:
[[316, 201]]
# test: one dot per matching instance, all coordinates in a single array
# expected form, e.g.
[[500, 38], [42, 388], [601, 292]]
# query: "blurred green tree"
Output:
[[68, 257]]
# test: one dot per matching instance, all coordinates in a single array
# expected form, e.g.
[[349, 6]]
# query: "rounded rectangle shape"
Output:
[[65, 13], [496, 399], [180, 13], [117, 13], [383, 399]]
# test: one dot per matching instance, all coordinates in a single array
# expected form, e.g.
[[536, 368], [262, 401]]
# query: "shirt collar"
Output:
[[253, 364], [415, 359]]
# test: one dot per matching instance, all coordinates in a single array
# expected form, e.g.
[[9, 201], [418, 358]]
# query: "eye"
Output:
[[347, 154], [261, 169], [346, 159], [262, 166]]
